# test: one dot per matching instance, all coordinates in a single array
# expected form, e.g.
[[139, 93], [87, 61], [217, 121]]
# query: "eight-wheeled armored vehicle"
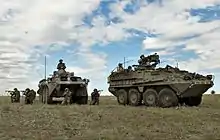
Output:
[[164, 87], [55, 85]]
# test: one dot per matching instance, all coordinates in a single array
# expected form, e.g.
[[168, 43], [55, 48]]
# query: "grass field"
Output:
[[109, 121]]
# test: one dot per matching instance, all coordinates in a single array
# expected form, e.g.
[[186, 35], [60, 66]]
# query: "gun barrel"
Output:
[[8, 91]]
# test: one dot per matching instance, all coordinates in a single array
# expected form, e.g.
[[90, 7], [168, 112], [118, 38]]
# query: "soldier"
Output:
[[16, 95], [144, 61], [33, 95], [95, 97], [120, 67], [61, 65], [61, 68], [154, 58], [129, 68], [67, 96], [27, 94]]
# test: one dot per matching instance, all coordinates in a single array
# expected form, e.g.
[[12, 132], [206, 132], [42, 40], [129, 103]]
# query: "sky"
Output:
[[93, 36]]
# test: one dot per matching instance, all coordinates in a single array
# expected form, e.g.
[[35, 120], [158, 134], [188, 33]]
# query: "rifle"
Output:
[[9, 91]]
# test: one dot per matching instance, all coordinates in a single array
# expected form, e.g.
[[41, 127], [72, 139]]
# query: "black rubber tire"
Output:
[[122, 97], [167, 98], [134, 97], [193, 101], [150, 97]]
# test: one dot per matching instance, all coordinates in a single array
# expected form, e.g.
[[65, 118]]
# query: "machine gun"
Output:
[[10, 92]]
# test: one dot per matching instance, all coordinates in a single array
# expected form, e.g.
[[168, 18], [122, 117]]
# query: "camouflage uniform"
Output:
[[33, 95], [95, 97], [155, 58], [129, 68], [67, 97], [28, 96], [61, 67], [120, 68], [145, 61], [15, 95]]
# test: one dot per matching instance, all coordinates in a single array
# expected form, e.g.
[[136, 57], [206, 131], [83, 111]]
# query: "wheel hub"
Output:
[[121, 98], [133, 97], [151, 99]]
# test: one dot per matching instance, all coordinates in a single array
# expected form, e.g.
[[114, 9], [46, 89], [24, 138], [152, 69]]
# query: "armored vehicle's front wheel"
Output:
[[150, 97], [122, 97], [167, 98], [193, 101], [134, 97]]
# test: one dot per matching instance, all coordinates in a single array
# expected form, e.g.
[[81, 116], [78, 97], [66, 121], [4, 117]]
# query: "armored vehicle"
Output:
[[55, 85], [163, 87]]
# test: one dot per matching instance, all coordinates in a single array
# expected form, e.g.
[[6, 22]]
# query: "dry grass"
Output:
[[109, 121]]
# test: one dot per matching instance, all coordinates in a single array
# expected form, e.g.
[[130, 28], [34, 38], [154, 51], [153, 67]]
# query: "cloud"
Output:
[[27, 30]]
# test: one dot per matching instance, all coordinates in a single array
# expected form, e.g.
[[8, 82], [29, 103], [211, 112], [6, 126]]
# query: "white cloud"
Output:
[[25, 24]]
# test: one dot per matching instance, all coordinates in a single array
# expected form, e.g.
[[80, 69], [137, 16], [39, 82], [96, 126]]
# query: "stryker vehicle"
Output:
[[54, 87], [162, 87]]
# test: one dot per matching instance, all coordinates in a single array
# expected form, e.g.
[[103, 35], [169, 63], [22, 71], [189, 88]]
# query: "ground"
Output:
[[109, 121]]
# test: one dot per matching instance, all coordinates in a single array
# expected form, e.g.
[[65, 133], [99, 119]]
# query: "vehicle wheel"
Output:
[[122, 97], [167, 98], [193, 101], [134, 97], [150, 97]]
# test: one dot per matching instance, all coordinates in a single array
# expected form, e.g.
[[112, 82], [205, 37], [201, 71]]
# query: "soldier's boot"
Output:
[[93, 102]]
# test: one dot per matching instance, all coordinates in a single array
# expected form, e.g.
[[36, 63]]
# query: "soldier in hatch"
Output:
[[120, 67], [129, 68], [95, 97], [67, 96], [61, 67], [154, 58], [144, 61]]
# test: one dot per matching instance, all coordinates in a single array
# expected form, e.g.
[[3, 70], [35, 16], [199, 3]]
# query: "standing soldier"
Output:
[[33, 96], [27, 94], [67, 97], [95, 97], [15, 95]]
